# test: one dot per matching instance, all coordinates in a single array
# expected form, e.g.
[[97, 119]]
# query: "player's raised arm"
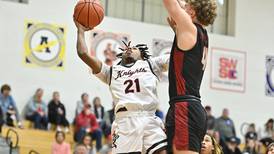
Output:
[[161, 62], [82, 50], [186, 31]]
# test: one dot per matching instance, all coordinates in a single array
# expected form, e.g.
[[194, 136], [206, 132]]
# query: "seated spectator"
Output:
[[267, 135], [36, 110], [251, 130], [210, 120], [224, 125], [86, 124], [231, 146], [99, 112], [8, 106], [81, 149], [268, 129], [57, 112], [251, 144], [60, 146], [210, 146], [270, 148], [87, 141], [82, 103]]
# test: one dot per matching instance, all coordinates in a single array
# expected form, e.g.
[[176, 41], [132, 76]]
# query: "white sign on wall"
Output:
[[44, 45], [228, 70]]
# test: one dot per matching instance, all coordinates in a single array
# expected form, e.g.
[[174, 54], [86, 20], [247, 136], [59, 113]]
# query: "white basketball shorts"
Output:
[[138, 132]]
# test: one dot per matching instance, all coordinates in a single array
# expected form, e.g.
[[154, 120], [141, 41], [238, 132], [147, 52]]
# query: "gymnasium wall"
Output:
[[253, 35]]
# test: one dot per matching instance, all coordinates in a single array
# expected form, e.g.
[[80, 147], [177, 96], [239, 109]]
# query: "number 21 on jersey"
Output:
[[132, 86]]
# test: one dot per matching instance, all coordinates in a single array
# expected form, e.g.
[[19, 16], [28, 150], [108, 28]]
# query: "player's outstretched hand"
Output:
[[81, 27]]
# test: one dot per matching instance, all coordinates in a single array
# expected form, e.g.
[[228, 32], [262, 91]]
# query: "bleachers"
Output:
[[32, 139]]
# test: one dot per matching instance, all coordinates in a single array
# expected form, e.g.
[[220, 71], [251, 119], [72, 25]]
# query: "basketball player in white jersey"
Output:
[[133, 84]]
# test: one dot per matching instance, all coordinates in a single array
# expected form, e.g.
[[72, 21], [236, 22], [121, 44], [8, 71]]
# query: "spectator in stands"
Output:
[[210, 146], [99, 110], [270, 148], [36, 110], [210, 120], [225, 127], [86, 124], [269, 129], [60, 146], [82, 103], [80, 149], [251, 129], [267, 135], [9, 108], [57, 112], [251, 144], [231, 146], [87, 141]]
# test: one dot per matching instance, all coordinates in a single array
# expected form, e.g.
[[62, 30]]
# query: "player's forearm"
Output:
[[81, 43], [82, 52], [176, 11], [172, 7]]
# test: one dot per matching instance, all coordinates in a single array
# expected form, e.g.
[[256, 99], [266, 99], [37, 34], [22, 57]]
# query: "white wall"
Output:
[[254, 34]]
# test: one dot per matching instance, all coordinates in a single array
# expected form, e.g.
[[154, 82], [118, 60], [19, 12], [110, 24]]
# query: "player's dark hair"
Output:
[[142, 48]]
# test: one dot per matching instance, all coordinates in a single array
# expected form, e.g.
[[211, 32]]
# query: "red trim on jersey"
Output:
[[178, 59], [181, 136]]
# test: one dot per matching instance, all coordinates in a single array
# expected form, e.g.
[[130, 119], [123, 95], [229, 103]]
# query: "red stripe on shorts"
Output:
[[181, 136]]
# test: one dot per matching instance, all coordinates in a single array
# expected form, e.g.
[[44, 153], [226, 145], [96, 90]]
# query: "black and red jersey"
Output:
[[186, 68]]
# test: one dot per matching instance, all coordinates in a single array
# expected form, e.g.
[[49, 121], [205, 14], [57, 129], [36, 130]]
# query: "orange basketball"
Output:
[[88, 13]]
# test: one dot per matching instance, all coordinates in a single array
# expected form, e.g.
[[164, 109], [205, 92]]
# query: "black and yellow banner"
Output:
[[44, 45]]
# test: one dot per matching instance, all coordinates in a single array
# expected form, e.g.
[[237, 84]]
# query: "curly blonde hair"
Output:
[[206, 10]]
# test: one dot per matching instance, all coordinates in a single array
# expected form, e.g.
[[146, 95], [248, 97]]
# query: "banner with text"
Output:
[[228, 70]]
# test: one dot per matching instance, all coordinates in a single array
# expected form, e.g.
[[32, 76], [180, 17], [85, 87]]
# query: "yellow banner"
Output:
[[44, 45]]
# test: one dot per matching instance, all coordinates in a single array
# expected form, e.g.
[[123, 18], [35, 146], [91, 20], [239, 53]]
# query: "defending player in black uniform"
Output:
[[186, 119]]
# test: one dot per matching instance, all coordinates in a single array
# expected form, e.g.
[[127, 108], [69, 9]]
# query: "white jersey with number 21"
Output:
[[135, 86]]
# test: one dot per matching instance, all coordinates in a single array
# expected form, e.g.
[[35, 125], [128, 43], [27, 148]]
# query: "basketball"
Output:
[[88, 13]]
